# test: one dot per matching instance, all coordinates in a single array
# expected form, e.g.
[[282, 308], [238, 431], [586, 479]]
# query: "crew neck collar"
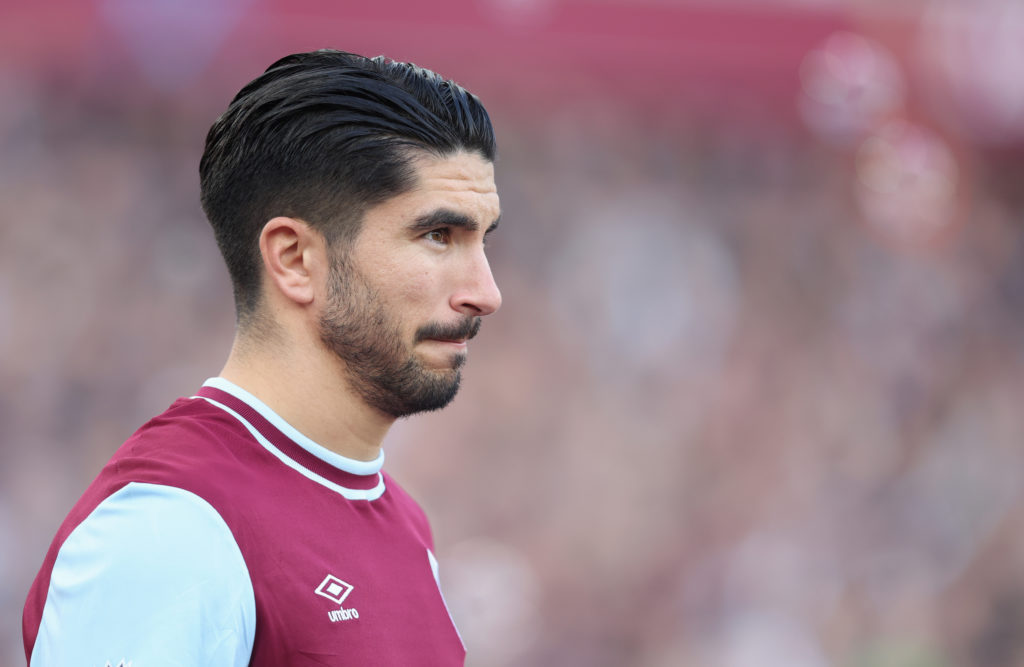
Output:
[[351, 477]]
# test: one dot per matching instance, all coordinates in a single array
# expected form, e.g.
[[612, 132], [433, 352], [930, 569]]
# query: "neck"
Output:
[[309, 391]]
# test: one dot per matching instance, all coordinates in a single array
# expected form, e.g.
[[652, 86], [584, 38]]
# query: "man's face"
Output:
[[403, 301]]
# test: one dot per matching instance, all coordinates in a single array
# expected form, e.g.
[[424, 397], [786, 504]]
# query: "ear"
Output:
[[290, 250]]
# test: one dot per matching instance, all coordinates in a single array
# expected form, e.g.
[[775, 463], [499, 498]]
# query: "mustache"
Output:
[[467, 328]]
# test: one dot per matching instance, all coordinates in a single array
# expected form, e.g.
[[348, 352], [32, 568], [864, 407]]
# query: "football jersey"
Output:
[[220, 535]]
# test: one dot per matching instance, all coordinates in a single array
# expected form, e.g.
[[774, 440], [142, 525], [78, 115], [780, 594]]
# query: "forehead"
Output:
[[463, 182], [462, 170]]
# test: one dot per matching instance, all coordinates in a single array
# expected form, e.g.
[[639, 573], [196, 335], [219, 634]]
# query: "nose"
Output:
[[478, 293]]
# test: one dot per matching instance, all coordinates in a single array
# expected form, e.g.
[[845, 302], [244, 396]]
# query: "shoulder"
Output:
[[187, 426], [193, 446]]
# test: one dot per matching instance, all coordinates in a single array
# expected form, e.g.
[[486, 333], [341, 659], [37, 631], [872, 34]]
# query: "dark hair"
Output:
[[322, 136]]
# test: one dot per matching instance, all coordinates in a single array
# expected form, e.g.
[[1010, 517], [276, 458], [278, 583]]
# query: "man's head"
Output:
[[323, 136], [352, 196], [402, 304]]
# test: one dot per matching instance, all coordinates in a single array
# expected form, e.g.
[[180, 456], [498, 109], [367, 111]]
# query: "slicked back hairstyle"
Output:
[[323, 136]]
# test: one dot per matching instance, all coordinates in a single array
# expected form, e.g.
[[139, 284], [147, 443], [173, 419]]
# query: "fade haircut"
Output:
[[323, 136]]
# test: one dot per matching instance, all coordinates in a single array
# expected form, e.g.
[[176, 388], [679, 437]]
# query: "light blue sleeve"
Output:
[[153, 577]]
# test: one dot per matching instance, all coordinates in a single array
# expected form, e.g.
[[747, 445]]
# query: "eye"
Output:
[[442, 235]]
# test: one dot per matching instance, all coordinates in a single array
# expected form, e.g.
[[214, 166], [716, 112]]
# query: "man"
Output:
[[251, 524]]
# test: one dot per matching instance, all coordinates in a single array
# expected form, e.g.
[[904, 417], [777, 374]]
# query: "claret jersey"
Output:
[[220, 535]]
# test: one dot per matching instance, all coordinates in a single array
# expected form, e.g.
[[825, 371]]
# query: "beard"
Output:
[[380, 367]]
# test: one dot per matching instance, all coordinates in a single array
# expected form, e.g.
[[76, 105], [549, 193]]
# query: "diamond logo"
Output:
[[334, 589]]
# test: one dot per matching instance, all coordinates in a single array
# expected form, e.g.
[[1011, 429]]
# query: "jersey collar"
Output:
[[351, 477]]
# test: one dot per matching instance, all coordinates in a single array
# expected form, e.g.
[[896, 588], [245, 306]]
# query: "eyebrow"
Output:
[[444, 217]]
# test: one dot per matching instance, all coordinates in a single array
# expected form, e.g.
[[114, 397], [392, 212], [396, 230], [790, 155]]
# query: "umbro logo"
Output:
[[336, 591]]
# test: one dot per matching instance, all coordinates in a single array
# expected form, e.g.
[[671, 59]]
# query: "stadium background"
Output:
[[754, 397]]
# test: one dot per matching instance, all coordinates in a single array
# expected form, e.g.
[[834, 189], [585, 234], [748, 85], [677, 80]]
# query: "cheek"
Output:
[[411, 284], [413, 289], [415, 296]]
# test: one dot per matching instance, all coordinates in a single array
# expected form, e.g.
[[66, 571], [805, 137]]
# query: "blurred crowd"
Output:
[[727, 416]]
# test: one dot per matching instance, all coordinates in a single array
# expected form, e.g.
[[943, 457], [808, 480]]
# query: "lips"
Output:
[[457, 343]]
